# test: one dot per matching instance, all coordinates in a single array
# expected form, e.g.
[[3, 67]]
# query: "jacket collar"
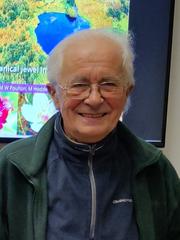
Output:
[[80, 152], [34, 150], [143, 154]]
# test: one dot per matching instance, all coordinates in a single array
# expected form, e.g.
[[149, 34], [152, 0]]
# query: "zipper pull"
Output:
[[93, 149]]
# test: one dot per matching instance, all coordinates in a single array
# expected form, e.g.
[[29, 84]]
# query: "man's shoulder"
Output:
[[145, 155], [135, 143], [142, 153], [23, 146], [18, 145]]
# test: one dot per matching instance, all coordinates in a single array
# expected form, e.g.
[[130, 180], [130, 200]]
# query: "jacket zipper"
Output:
[[93, 193]]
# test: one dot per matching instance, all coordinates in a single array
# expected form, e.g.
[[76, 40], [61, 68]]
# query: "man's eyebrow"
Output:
[[111, 78], [78, 79], [85, 79]]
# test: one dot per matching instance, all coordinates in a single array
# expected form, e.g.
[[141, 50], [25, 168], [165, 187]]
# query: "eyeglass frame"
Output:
[[99, 85]]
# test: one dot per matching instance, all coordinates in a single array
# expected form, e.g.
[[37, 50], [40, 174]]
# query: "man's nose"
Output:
[[95, 98]]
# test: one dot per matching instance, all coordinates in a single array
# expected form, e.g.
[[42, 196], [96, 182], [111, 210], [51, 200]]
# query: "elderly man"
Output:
[[85, 175]]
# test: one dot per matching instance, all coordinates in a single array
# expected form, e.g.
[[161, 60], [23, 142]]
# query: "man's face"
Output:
[[90, 119]]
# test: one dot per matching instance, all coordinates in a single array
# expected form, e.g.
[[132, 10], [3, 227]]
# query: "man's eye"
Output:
[[79, 85], [109, 84]]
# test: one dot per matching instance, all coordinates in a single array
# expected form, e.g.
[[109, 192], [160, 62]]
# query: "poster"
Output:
[[29, 30]]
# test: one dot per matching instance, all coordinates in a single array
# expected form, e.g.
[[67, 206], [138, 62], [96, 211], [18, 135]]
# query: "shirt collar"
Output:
[[78, 151]]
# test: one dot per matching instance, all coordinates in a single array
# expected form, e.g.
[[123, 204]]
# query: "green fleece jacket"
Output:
[[23, 188]]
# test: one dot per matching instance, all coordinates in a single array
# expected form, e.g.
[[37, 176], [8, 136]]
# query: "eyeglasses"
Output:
[[80, 90]]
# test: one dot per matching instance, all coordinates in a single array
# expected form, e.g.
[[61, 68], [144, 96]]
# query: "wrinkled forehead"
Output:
[[90, 56]]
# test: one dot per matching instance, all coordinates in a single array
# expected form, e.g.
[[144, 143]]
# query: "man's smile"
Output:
[[92, 115]]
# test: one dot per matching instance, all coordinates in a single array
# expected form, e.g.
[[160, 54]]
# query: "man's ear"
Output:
[[54, 95], [51, 89], [129, 90]]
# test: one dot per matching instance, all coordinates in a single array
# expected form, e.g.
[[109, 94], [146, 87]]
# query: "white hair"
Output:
[[123, 40]]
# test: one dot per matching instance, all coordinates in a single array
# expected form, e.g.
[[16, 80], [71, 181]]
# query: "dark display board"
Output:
[[151, 23]]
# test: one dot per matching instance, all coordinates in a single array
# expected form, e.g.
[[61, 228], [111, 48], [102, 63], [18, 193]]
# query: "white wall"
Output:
[[172, 147]]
